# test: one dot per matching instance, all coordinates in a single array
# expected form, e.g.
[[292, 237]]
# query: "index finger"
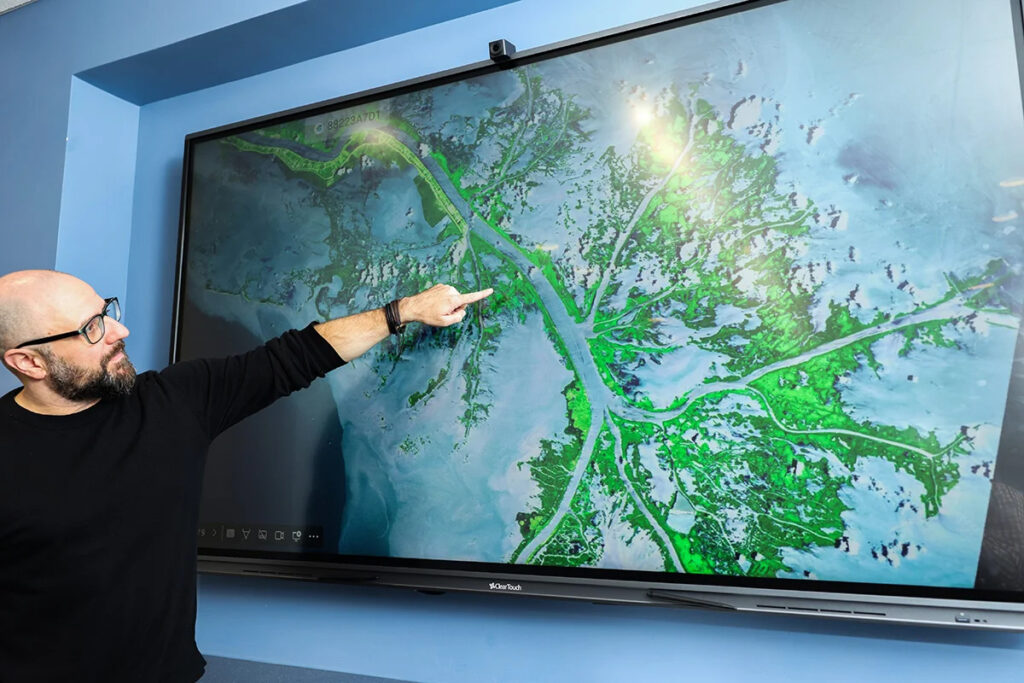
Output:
[[475, 296]]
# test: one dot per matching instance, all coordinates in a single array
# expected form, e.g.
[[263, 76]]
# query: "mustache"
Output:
[[118, 348]]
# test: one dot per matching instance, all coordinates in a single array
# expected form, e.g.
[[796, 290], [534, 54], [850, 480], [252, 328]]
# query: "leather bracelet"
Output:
[[392, 317]]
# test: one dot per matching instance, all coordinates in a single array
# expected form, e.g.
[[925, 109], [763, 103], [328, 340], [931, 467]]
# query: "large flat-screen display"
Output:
[[755, 336]]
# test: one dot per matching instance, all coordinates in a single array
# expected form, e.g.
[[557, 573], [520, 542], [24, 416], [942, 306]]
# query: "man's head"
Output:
[[36, 304]]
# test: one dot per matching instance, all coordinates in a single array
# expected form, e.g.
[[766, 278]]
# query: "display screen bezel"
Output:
[[588, 582]]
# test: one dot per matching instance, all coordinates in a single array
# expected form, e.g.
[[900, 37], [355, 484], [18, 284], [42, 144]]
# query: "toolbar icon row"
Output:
[[260, 535]]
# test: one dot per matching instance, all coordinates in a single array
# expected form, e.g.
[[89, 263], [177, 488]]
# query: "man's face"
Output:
[[76, 369]]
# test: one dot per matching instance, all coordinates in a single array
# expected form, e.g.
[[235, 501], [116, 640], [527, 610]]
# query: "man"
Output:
[[100, 473]]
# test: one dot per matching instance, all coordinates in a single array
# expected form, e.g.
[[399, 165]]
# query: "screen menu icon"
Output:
[[280, 536]]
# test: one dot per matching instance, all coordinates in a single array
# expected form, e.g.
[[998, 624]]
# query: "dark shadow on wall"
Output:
[[295, 34]]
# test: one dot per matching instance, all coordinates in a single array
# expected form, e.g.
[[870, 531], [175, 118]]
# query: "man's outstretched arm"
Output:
[[439, 306]]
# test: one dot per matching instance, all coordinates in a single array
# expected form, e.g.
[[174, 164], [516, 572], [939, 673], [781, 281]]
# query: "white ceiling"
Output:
[[8, 5]]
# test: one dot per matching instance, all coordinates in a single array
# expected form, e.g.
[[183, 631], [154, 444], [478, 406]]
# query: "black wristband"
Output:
[[394, 320]]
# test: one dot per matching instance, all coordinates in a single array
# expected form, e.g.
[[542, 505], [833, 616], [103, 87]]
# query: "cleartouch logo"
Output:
[[513, 587]]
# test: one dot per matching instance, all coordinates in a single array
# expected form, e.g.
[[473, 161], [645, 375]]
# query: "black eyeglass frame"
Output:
[[105, 313]]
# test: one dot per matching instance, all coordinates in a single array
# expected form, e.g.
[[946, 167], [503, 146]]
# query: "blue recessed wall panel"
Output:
[[94, 236], [374, 631], [42, 46], [479, 638]]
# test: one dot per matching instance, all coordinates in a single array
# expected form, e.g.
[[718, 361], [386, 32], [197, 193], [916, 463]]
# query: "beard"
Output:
[[81, 384]]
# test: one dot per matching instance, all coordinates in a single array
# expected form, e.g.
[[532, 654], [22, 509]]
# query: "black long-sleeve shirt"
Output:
[[99, 511]]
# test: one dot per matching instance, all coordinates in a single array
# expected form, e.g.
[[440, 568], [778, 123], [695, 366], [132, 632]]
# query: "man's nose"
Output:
[[115, 331]]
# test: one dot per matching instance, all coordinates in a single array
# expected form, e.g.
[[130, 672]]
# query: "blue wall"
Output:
[[96, 99]]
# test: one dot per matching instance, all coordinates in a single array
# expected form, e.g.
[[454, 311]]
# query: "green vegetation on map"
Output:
[[681, 246]]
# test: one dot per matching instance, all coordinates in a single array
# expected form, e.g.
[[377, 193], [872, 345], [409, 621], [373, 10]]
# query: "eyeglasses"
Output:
[[93, 330]]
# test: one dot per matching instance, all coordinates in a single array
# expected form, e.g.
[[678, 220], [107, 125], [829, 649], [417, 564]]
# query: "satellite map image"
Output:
[[755, 302]]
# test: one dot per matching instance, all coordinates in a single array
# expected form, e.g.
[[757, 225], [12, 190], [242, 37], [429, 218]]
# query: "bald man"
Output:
[[100, 473]]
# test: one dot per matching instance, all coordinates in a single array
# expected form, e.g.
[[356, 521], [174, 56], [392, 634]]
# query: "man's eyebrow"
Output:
[[93, 315]]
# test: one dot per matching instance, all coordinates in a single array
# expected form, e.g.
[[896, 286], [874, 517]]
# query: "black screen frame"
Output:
[[629, 586]]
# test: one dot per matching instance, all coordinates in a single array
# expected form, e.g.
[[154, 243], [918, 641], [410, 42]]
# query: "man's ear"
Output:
[[26, 362]]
